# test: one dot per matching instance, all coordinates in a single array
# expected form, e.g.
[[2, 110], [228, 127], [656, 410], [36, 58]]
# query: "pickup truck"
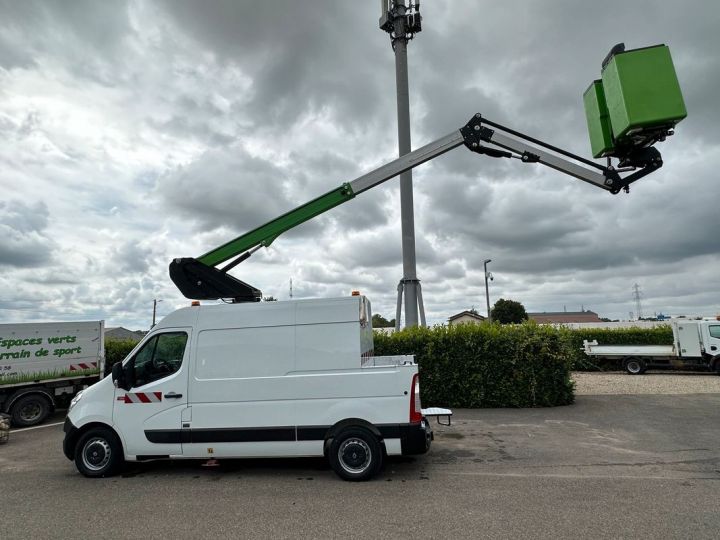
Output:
[[267, 379], [696, 346]]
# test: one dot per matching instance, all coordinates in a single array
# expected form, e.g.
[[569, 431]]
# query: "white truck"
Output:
[[42, 365], [696, 345], [269, 379]]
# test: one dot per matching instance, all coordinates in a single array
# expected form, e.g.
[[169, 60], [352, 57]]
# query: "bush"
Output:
[[660, 335], [116, 350], [487, 365]]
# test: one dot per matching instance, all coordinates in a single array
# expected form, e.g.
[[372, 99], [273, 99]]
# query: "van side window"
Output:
[[714, 330], [159, 357]]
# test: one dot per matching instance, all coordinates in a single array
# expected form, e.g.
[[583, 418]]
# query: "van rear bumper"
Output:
[[415, 438]]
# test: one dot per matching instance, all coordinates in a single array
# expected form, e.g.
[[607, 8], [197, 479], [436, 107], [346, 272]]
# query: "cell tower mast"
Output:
[[401, 19]]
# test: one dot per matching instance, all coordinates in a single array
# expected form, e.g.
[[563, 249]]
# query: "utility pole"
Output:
[[487, 289], [155, 303], [401, 19]]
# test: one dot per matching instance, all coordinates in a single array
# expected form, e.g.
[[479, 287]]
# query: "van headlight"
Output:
[[76, 399]]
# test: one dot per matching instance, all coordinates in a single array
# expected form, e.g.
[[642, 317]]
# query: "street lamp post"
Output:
[[155, 303], [487, 290]]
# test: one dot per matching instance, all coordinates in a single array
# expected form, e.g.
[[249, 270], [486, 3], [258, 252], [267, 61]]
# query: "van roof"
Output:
[[187, 316]]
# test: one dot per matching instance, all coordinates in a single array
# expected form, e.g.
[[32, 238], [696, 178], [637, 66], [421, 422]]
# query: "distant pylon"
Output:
[[637, 295]]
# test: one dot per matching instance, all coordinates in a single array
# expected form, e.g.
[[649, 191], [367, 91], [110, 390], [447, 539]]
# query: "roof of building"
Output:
[[564, 316], [471, 314], [123, 333]]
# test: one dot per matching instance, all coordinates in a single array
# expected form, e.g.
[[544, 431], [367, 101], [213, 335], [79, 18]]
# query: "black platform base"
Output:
[[201, 282]]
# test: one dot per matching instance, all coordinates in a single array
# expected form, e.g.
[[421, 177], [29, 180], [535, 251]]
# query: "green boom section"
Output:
[[266, 234]]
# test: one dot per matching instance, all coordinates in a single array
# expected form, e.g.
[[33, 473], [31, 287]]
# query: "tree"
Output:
[[508, 312], [378, 321]]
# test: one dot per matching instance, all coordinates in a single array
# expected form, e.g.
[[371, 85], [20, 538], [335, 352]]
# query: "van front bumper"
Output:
[[70, 439], [416, 438]]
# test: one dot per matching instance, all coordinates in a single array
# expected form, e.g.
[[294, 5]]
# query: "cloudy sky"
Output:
[[135, 132]]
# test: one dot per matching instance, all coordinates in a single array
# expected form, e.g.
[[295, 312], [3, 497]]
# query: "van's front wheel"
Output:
[[355, 454], [98, 453]]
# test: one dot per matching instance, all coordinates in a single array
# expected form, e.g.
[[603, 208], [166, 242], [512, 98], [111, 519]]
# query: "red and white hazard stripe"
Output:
[[143, 397], [85, 365]]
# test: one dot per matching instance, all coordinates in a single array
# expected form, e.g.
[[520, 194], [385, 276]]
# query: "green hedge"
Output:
[[660, 335], [116, 350], [491, 365], [488, 365]]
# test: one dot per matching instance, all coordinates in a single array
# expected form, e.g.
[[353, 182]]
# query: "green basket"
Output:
[[642, 91], [637, 101], [598, 120]]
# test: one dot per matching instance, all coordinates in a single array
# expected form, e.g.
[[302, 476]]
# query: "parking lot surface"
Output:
[[607, 467], [652, 382]]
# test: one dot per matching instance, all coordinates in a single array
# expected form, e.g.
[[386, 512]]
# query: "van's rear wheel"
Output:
[[98, 453], [634, 366], [355, 454]]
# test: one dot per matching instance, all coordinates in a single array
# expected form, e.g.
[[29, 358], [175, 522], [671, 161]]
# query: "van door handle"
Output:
[[713, 348], [173, 395]]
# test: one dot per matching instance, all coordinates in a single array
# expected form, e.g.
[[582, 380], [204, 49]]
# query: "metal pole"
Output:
[[155, 303], [398, 311], [487, 290], [407, 218]]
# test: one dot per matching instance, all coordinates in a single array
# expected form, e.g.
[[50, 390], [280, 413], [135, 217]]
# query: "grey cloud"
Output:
[[226, 187], [90, 33], [300, 71], [311, 84], [130, 256], [22, 227]]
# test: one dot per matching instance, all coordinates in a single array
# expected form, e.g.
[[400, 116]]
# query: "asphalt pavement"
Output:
[[607, 467]]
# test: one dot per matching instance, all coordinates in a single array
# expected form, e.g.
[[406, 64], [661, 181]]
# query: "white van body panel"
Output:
[[259, 380]]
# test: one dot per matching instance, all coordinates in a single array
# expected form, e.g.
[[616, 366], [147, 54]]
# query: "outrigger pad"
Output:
[[202, 282]]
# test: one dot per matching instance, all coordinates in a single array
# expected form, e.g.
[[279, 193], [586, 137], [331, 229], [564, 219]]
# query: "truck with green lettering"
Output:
[[42, 365]]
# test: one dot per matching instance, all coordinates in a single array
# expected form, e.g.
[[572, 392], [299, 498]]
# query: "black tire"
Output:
[[30, 410], [98, 453], [355, 454], [634, 366]]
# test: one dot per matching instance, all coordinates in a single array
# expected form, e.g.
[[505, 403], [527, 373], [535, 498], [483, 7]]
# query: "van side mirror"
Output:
[[118, 376]]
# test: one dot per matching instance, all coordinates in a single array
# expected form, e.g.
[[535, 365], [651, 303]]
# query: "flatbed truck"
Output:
[[696, 346]]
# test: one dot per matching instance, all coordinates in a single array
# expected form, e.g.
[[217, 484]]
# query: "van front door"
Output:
[[148, 416]]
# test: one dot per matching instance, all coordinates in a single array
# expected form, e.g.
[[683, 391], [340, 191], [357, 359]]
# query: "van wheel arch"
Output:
[[350, 423], [79, 432]]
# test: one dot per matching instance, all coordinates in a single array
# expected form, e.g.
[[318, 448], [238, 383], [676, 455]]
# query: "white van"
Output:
[[270, 379]]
